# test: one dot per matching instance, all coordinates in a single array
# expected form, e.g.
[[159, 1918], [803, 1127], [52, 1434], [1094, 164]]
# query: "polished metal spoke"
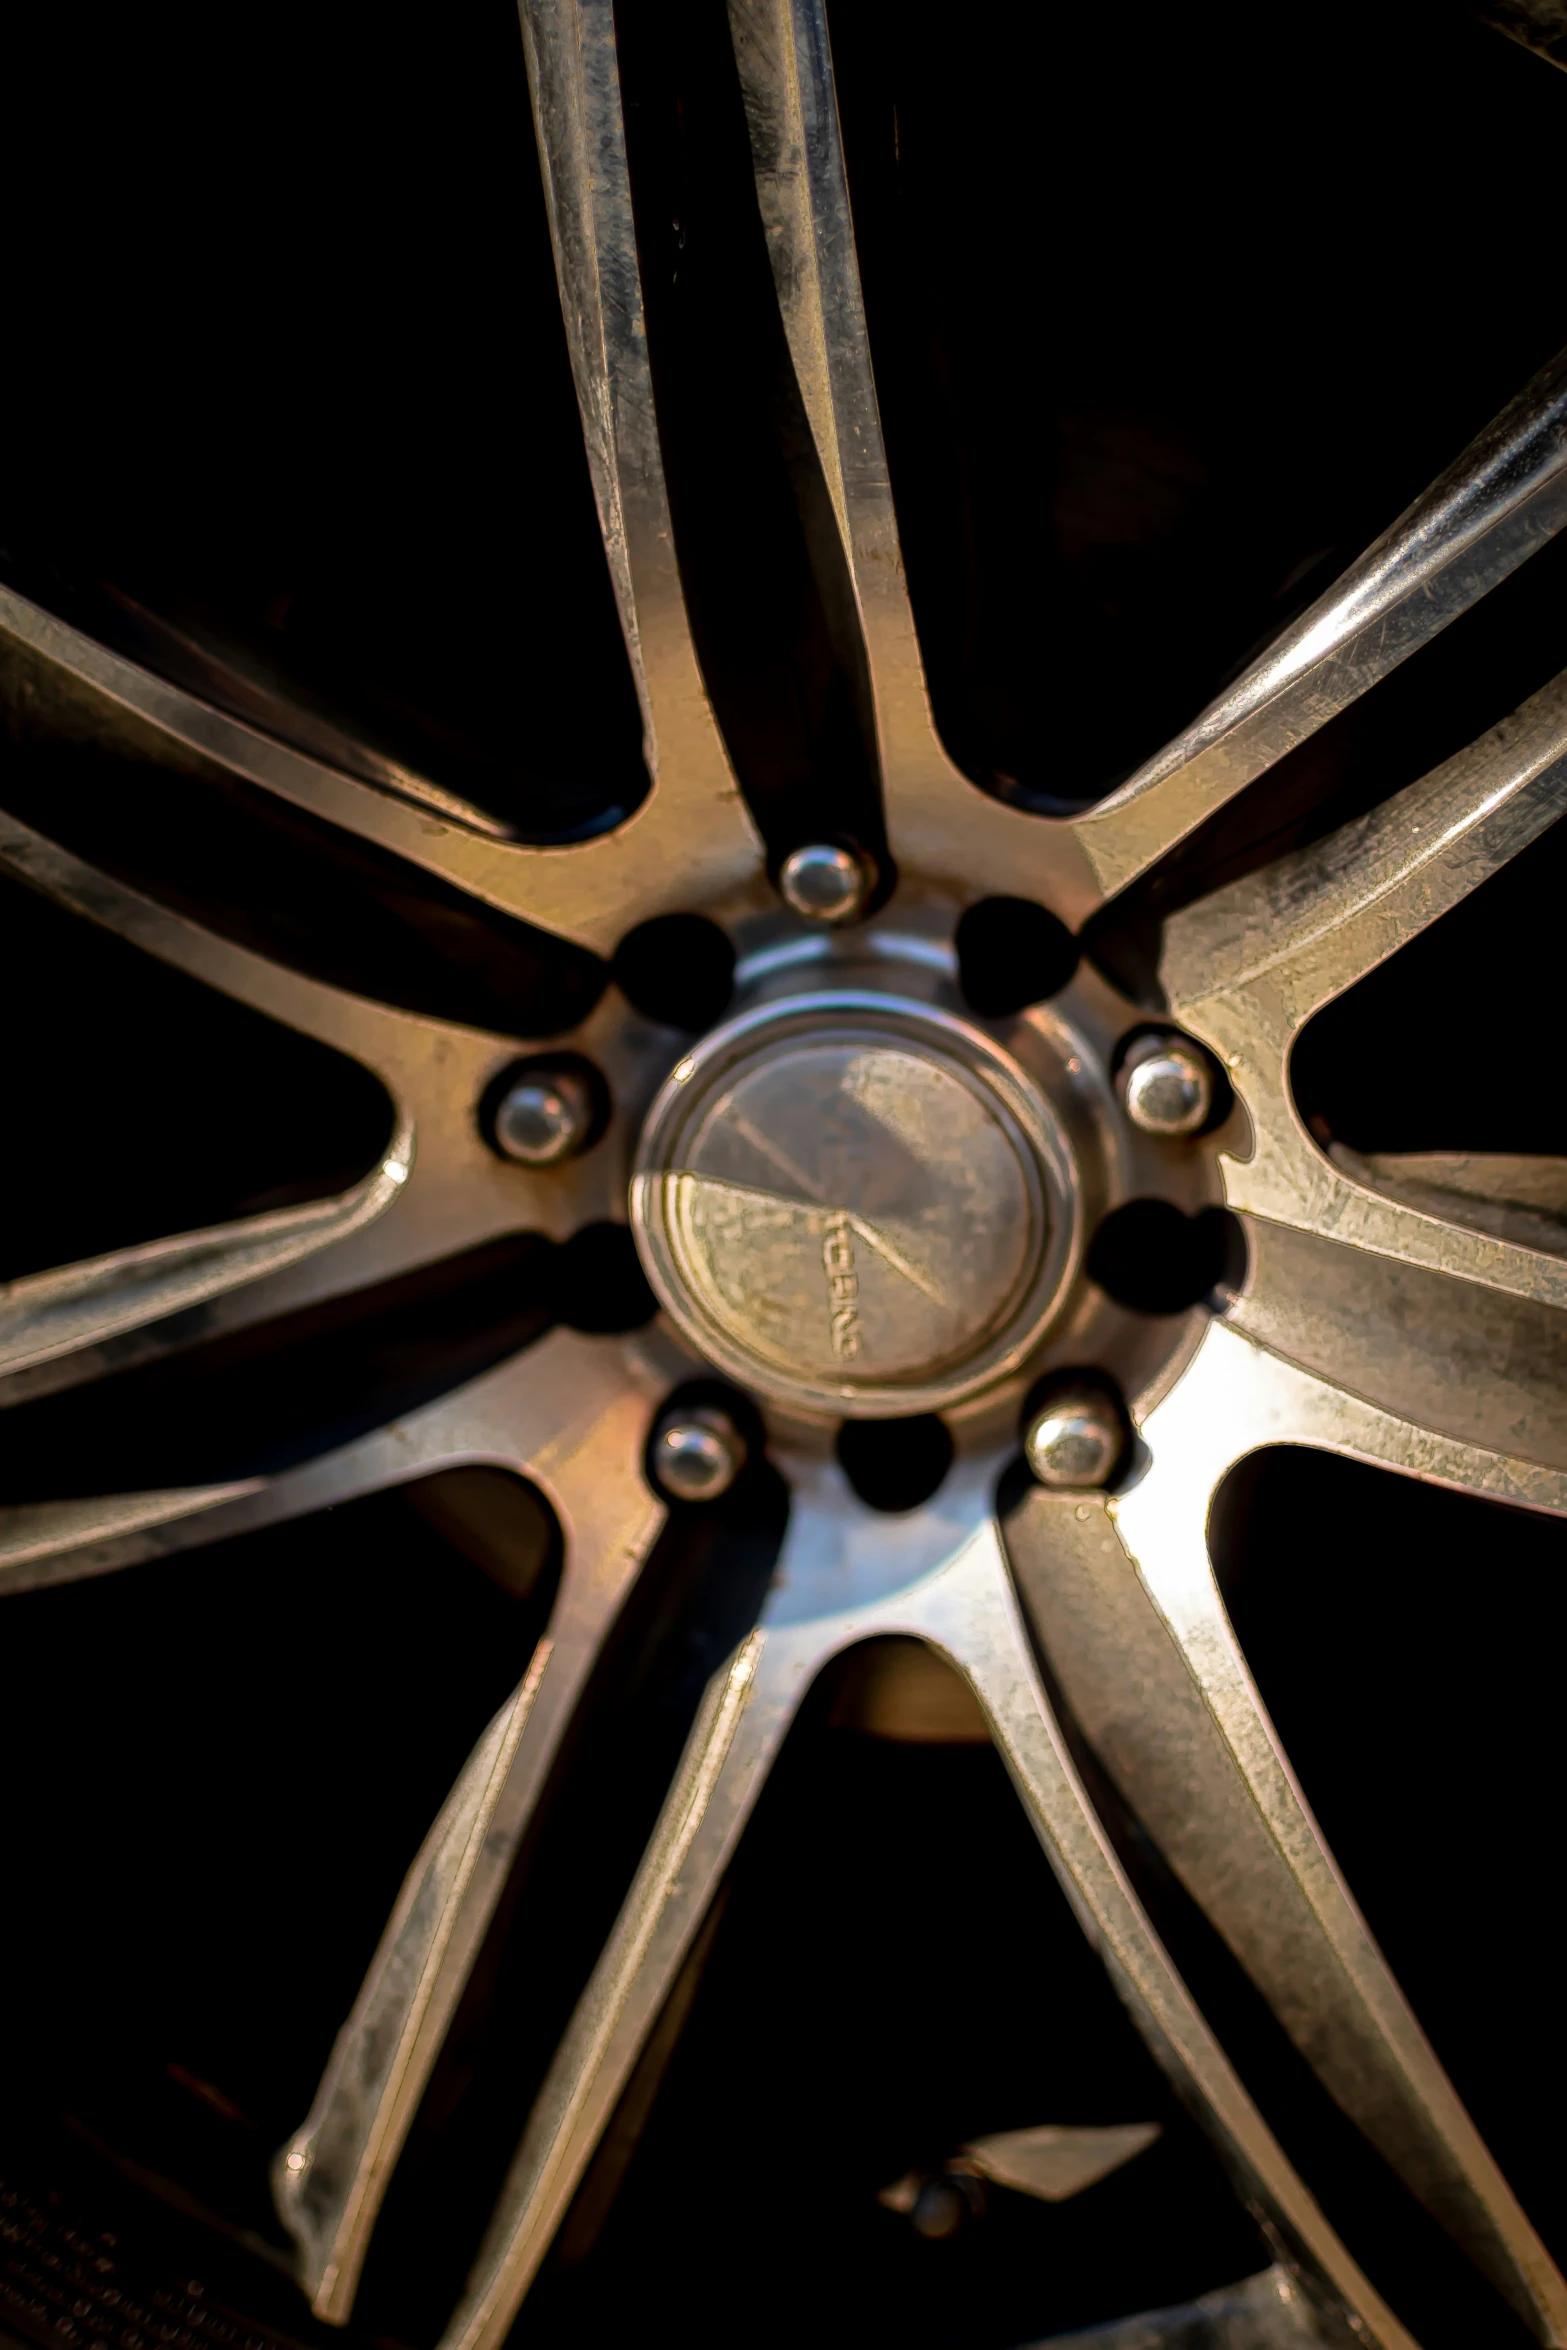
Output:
[[572, 1415], [92, 1534], [1369, 1322], [937, 821], [1125, 1599], [938, 1574], [436, 1190], [1502, 500], [490, 1420], [578, 1426], [1247, 967], [74, 1307], [591, 891], [1405, 1313], [692, 839], [693, 836], [1308, 926], [1519, 1195], [1454, 1356]]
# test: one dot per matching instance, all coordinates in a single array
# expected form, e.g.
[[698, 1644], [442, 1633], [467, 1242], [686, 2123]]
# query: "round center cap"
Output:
[[845, 1203]]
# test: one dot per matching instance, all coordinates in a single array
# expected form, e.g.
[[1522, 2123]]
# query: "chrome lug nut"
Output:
[[824, 883], [1074, 1440], [546, 1116], [697, 1454], [1167, 1086]]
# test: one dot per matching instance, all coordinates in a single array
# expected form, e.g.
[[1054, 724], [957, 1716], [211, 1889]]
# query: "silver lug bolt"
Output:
[[824, 883], [1074, 1441], [1167, 1086], [697, 1454], [544, 1118]]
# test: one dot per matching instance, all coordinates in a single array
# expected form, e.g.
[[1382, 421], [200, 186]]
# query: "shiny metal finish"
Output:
[[1054, 2163], [823, 883], [571, 1415], [696, 1454], [853, 1200], [546, 1116], [1246, 968], [1270, 2311], [936, 821], [854, 1203], [1502, 499], [1075, 1441], [841, 1577], [1167, 1086], [1229, 1813]]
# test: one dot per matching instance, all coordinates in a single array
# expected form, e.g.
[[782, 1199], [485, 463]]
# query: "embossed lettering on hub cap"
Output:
[[848, 1202]]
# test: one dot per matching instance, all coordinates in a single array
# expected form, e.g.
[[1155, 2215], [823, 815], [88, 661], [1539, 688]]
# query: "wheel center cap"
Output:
[[853, 1203]]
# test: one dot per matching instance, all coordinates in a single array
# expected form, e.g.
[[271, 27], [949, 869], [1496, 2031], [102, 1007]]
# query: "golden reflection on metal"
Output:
[[1502, 499], [1404, 1312], [855, 1203], [435, 1191], [1125, 1600], [958, 1596], [1053, 2163]]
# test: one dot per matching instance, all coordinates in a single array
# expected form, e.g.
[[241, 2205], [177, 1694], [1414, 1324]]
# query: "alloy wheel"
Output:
[[982, 1226]]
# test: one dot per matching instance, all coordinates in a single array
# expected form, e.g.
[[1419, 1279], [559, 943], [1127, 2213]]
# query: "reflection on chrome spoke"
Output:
[[857, 1201]]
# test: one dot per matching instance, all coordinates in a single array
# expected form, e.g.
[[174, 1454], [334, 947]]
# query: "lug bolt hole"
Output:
[[1151, 1257], [678, 969], [1012, 953], [895, 1465], [599, 1285]]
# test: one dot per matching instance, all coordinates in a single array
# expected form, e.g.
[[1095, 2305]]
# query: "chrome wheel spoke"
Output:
[[971, 1615], [1257, 1397], [1247, 967], [572, 1414], [834, 1552], [45, 1315], [737, 1733], [334, 2172], [448, 1189], [528, 1415], [963, 1606], [68, 1541], [1501, 500], [1448, 1355], [1497, 505], [590, 891], [937, 821], [1198, 1759], [693, 836], [1297, 934], [896, 1182]]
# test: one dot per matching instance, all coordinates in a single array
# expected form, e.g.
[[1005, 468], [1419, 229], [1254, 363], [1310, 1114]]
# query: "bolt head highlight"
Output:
[[1073, 1442], [824, 883], [544, 1118], [1167, 1087], [697, 1454]]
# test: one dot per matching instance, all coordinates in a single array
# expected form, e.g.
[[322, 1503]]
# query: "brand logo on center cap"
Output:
[[847, 1204], [843, 1286]]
